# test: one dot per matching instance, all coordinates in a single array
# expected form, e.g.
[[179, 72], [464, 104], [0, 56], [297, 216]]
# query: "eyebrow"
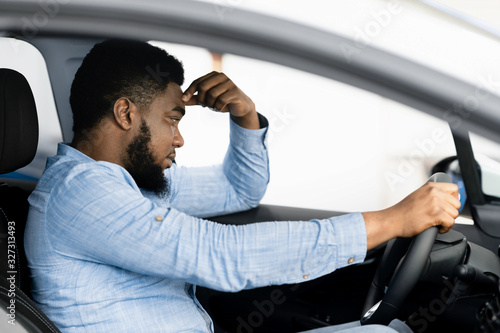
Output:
[[179, 109]]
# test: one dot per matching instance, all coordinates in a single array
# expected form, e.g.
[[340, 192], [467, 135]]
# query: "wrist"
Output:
[[248, 121], [379, 228]]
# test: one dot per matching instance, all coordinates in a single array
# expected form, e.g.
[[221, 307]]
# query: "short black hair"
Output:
[[120, 68]]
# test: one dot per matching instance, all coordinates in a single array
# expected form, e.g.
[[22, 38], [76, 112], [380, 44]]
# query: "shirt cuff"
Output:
[[349, 236], [249, 139], [262, 121], [342, 242]]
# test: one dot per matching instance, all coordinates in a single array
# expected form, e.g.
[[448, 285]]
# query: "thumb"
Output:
[[190, 100]]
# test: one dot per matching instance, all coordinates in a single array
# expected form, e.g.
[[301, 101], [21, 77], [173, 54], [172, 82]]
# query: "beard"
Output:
[[141, 165]]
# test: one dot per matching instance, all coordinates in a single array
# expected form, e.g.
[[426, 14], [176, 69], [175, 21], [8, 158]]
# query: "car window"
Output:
[[487, 155], [332, 146]]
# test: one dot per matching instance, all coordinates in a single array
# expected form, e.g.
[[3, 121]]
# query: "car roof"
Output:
[[267, 38]]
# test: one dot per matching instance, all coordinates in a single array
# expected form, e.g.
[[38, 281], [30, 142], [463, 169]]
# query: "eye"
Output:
[[176, 120]]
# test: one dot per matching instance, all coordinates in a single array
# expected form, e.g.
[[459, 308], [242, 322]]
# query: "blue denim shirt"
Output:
[[108, 257]]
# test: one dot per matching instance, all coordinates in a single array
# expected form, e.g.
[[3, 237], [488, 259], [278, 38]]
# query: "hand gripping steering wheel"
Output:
[[382, 307]]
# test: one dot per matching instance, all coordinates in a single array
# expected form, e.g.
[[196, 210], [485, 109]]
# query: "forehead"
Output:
[[173, 93], [171, 98]]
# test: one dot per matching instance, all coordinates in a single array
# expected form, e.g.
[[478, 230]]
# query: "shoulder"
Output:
[[68, 172]]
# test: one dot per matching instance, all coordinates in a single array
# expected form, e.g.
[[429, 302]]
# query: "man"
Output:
[[115, 241]]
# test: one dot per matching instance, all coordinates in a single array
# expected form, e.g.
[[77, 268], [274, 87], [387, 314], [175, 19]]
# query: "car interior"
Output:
[[457, 282], [19, 138]]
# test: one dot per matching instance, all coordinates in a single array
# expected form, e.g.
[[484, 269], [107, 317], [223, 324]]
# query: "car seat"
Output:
[[18, 144]]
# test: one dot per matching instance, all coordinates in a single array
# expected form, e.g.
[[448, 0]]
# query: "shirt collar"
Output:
[[64, 149]]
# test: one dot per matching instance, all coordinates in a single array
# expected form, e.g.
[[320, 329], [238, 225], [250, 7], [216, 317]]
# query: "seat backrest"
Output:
[[18, 144]]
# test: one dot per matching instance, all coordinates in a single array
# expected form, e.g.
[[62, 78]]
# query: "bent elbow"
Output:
[[253, 198]]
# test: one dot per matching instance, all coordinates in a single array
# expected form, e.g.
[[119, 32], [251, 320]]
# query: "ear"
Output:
[[125, 112]]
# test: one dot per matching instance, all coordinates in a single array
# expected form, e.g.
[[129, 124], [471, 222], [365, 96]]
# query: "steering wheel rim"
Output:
[[381, 306]]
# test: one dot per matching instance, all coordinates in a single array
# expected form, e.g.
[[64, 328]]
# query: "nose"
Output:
[[178, 139]]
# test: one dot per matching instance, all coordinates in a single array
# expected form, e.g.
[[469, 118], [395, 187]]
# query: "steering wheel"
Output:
[[382, 306]]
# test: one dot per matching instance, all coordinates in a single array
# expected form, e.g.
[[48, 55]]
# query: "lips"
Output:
[[169, 160]]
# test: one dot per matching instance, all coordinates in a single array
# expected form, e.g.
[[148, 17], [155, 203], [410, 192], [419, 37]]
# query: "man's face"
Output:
[[152, 150]]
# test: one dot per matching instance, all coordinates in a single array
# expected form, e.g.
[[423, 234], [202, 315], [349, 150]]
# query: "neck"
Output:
[[101, 145]]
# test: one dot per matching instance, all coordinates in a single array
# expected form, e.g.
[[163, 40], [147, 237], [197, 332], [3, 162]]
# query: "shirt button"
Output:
[[306, 277], [350, 261], [159, 218]]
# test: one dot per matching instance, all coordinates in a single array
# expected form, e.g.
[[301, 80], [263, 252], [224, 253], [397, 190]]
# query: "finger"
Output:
[[446, 218], [204, 86], [446, 191], [443, 230], [446, 222], [450, 188], [444, 202], [223, 101], [189, 92], [192, 101], [451, 210], [450, 194], [454, 201], [213, 95]]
